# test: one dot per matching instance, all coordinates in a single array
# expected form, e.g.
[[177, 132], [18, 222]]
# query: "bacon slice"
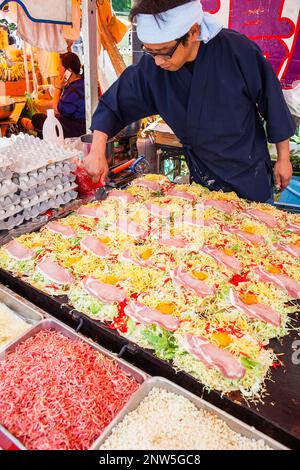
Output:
[[127, 226], [267, 219], [245, 236], [293, 250], [55, 273], [294, 227], [213, 357], [201, 288], [157, 211], [94, 245], [122, 196], [19, 252], [173, 242], [102, 291], [63, 230], [284, 282], [258, 311], [223, 206], [152, 185], [177, 193], [230, 262], [150, 316], [91, 212]]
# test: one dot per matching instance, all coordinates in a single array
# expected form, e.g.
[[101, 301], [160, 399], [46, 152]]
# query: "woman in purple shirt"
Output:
[[69, 98]]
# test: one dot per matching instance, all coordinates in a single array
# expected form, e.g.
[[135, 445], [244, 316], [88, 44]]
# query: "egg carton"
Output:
[[5, 173], [31, 181], [31, 193], [11, 211], [7, 201], [28, 153], [30, 184], [61, 167], [50, 184], [27, 181], [7, 187], [51, 170], [61, 189], [34, 211], [53, 203], [12, 222], [46, 195]]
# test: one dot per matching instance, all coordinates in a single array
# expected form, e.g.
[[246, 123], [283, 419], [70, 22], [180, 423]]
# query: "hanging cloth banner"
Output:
[[273, 24], [41, 11]]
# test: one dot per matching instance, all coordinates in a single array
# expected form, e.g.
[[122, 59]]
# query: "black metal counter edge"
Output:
[[58, 308]]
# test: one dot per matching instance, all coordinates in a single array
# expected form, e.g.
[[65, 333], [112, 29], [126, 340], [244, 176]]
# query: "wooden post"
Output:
[[26, 68], [89, 27], [110, 46]]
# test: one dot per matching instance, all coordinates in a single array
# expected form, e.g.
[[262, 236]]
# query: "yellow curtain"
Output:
[[3, 38], [117, 27], [48, 63]]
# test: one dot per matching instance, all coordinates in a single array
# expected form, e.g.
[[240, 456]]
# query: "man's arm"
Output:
[[283, 170], [266, 92], [96, 163]]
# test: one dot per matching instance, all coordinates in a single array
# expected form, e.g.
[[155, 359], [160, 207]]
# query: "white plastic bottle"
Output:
[[52, 130]]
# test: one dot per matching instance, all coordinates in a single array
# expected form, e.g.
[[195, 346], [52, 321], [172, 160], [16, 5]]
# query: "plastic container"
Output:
[[291, 195], [52, 129]]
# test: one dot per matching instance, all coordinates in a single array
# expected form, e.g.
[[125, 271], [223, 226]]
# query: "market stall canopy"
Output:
[[56, 11]]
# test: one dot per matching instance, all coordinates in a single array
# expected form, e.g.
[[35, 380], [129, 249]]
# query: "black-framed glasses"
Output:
[[166, 55]]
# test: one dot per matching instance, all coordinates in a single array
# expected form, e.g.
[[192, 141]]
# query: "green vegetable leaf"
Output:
[[162, 341], [131, 326], [76, 241], [248, 363], [95, 308]]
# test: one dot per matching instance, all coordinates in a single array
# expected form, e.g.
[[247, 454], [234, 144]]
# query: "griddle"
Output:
[[279, 414]]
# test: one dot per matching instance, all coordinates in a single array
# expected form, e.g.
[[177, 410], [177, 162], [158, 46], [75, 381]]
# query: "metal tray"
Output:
[[9, 442], [21, 307], [159, 382], [276, 416], [56, 325]]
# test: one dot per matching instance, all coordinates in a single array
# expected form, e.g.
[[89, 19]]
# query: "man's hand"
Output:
[[97, 168], [283, 172], [95, 163]]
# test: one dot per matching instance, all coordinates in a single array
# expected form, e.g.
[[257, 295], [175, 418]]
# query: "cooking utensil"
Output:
[[7, 107], [87, 140], [102, 192]]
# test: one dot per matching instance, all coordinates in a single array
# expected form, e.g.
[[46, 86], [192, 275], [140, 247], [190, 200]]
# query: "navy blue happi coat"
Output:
[[219, 111]]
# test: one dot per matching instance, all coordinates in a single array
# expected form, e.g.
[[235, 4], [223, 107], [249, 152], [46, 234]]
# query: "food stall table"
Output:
[[13, 119]]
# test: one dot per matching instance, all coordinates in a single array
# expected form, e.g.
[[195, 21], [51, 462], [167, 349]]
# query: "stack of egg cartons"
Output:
[[10, 208], [41, 178]]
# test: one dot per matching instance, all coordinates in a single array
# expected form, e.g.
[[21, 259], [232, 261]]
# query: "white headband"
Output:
[[175, 23]]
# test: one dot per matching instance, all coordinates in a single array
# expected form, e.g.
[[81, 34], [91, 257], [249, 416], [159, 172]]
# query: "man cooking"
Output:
[[214, 88]]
